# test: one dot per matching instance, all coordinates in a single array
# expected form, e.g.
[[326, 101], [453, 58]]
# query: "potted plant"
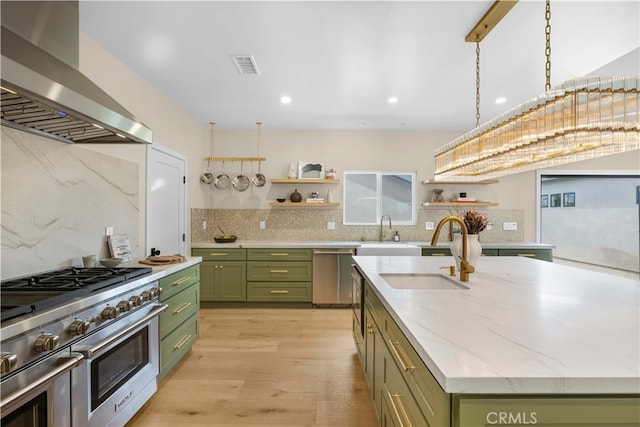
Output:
[[475, 222]]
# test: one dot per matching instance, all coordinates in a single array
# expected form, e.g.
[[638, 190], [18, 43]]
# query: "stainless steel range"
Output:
[[79, 346]]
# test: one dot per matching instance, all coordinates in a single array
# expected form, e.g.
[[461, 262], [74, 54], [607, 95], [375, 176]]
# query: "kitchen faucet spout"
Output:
[[465, 267], [381, 219]]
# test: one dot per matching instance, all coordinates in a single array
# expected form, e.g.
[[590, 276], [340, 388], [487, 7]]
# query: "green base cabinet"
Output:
[[279, 275], [223, 274], [545, 254], [179, 323]]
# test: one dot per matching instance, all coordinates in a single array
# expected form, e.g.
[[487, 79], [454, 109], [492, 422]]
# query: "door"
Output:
[[166, 201]]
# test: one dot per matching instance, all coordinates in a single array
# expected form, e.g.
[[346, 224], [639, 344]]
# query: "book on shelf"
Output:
[[315, 200], [464, 199], [120, 247]]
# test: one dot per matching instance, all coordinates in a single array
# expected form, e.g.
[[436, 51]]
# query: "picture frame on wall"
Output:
[[311, 170], [555, 200], [544, 201], [569, 200]]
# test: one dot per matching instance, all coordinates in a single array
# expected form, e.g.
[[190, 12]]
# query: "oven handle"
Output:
[[89, 353], [69, 363]]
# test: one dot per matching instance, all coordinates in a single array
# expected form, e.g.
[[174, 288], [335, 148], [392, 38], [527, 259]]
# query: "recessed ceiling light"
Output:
[[392, 100], [285, 99], [501, 100]]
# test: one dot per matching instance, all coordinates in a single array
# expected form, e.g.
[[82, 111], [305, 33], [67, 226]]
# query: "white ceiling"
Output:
[[340, 61]]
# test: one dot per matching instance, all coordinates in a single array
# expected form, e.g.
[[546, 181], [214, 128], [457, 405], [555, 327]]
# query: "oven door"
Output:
[[39, 396], [119, 372]]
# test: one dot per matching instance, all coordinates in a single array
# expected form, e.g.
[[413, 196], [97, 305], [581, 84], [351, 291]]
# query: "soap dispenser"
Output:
[[396, 237]]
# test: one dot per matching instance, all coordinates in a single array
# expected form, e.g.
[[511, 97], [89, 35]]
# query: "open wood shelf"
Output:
[[235, 159], [304, 204], [457, 204], [484, 182], [304, 181]]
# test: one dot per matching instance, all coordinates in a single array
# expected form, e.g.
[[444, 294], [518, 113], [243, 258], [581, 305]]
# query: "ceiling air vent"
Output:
[[245, 64]]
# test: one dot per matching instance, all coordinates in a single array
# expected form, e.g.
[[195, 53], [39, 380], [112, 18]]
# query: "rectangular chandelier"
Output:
[[584, 118]]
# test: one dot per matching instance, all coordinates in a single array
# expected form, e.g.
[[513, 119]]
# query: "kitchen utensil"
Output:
[[222, 181], [207, 177], [281, 200], [111, 262], [259, 180], [89, 261], [225, 239], [241, 182]]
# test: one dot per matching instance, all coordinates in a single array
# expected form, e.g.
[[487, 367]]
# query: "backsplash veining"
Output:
[[310, 224], [57, 200]]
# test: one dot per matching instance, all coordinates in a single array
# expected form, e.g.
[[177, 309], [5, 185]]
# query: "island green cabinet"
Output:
[[223, 274], [545, 254], [179, 323]]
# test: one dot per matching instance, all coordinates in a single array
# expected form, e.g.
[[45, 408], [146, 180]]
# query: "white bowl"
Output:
[[111, 262]]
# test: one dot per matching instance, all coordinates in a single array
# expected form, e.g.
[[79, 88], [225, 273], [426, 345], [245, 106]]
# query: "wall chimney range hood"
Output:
[[45, 95]]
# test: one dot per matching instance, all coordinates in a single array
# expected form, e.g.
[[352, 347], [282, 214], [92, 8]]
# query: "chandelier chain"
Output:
[[547, 51], [477, 81]]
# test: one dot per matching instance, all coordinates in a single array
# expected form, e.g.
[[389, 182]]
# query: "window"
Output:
[[368, 195]]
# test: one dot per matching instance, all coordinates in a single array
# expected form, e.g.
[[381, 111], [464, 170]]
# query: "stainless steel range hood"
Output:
[[45, 95]]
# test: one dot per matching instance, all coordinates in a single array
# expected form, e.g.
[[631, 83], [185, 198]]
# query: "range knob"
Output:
[[124, 306], [136, 300], [146, 296], [46, 342], [110, 313], [155, 292], [8, 362], [79, 327]]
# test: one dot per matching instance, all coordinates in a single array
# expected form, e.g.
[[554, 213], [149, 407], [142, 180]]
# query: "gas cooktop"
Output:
[[37, 292]]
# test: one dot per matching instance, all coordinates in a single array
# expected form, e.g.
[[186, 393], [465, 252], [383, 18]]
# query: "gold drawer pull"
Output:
[[401, 413], [182, 342], [527, 255], [279, 271], [279, 254], [397, 349], [181, 308], [438, 254], [284, 291], [218, 254], [181, 281]]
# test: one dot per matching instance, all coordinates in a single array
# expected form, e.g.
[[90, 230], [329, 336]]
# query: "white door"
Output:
[[166, 201]]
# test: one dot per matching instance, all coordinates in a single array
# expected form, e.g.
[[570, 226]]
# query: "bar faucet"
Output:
[[381, 219], [465, 267]]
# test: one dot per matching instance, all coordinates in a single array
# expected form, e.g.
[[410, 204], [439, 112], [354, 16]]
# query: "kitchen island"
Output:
[[526, 342]]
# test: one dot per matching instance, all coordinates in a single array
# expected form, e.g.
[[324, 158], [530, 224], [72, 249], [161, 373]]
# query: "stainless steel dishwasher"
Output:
[[332, 277]]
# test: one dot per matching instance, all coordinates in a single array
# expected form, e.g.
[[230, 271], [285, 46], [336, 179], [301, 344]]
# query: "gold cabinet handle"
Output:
[[218, 254], [397, 350], [438, 254], [277, 291], [182, 342], [181, 281], [181, 308], [401, 413], [527, 255], [279, 271], [279, 254]]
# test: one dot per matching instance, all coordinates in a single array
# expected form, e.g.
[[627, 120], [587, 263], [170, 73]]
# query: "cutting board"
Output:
[[163, 260]]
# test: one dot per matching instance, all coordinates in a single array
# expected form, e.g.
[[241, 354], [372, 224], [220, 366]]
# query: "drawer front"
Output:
[[178, 281], [490, 252], [261, 271], [279, 292], [436, 252], [174, 346], [433, 401], [280, 254], [399, 408], [182, 305], [543, 254], [374, 305], [219, 254]]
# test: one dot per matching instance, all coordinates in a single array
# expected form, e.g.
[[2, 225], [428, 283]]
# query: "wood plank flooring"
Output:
[[265, 367]]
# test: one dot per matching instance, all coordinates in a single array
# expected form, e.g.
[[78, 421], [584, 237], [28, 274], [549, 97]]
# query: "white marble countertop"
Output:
[[351, 244], [160, 271], [524, 326]]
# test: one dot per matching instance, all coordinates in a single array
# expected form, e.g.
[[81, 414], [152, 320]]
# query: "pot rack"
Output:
[[212, 158]]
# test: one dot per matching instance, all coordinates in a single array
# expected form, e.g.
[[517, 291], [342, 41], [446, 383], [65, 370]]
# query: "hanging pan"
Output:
[[241, 182], [207, 177], [222, 181], [259, 180]]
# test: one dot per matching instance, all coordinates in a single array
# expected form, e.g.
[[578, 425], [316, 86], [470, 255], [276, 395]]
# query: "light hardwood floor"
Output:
[[265, 367]]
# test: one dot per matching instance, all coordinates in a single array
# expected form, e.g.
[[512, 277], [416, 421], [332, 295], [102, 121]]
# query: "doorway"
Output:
[[591, 218]]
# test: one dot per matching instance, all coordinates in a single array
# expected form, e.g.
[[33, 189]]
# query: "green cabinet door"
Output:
[[223, 281]]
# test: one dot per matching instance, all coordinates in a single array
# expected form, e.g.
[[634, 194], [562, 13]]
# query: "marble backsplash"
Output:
[[310, 224], [57, 199]]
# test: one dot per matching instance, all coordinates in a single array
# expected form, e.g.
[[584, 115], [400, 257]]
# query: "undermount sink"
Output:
[[388, 248], [420, 281]]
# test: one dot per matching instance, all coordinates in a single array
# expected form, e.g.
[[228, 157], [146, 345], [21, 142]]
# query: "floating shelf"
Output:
[[304, 181], [486, 181], [304, 204], [236, 159], [457, 204]]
